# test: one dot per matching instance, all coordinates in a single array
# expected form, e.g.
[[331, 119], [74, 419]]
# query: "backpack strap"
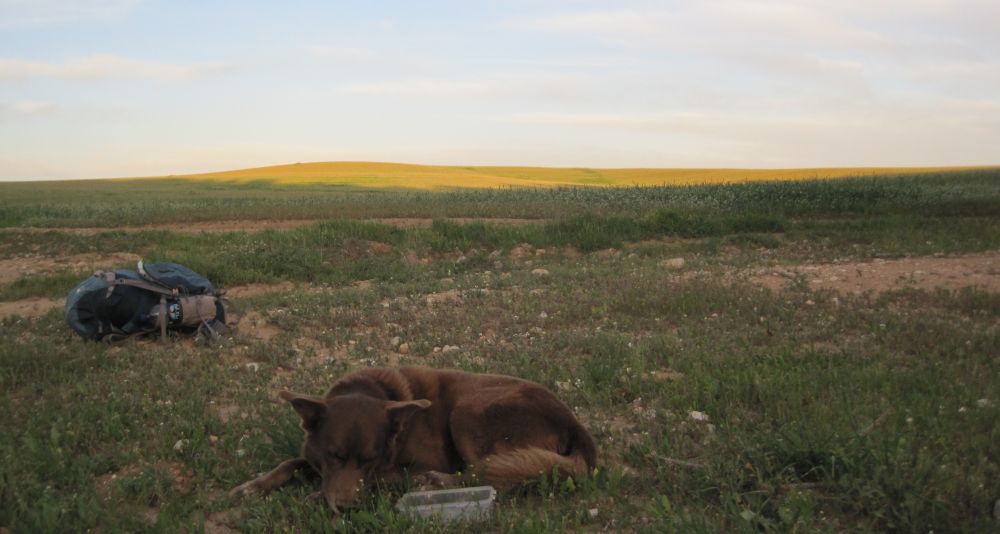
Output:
[[143, 285]]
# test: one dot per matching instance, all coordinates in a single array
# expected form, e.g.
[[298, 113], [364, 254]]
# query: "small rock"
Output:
[[180, 445], [673, 263], [521, 251], [241, 453], [451, 296], [213, 439], [543, 315], [437, 350], [665, 374], [363, 284], [404, 348], [540, 272], [983, 403], [593, 512], [252, 366], [451, 348], [698, 416], [396, 341]]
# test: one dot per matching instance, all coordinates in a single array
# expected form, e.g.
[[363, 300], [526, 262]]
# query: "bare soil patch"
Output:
[[13, 268], [253, 290], [930, 272], [33, 307], [255, 325], [423, 222]]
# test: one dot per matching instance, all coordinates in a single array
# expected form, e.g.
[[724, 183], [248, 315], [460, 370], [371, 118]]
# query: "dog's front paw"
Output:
[[250, 487], [436, 479]]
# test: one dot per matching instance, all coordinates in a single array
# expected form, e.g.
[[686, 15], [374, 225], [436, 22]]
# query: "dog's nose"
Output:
[[340, 489]]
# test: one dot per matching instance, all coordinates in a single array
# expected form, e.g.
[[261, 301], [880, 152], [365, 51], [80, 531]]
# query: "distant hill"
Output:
[[399, 175]]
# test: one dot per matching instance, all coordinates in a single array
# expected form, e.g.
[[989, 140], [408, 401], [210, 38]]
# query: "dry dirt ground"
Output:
[[948, 272]]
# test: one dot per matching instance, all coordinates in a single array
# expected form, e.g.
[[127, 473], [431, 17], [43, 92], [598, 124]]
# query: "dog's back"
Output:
[[505, 429]]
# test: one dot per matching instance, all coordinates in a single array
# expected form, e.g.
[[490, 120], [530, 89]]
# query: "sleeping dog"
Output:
[[445, 426]]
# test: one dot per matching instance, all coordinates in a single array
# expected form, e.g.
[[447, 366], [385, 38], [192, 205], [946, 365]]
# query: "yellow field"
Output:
[[428, 177]]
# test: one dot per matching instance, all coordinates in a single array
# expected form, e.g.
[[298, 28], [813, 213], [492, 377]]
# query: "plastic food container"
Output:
[[461, 504]]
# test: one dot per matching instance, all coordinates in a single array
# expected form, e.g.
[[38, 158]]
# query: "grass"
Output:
[[826, 412], [113, 203]]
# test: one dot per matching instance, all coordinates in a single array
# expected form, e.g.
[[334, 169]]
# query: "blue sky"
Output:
[[106, 88]]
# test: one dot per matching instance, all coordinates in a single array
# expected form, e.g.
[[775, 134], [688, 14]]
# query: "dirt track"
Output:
[[948, 272]]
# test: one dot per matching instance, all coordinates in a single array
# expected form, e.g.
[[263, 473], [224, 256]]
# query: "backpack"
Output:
[[112, 306]]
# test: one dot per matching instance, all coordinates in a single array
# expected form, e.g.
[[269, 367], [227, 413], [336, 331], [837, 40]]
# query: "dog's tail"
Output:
[[512, 468]]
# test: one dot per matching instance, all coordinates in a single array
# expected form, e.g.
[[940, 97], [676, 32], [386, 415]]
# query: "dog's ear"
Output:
[[402, 410], [399, 413], [311, 409]]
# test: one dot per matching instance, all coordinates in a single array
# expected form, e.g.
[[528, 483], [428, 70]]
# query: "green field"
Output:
[[828, 410]]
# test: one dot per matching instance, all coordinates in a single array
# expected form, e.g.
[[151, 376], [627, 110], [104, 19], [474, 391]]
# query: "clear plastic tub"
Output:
[[461, 504]]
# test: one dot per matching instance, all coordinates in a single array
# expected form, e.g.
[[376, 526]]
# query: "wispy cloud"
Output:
[[618, 23], [495, 84], [101, 66], [14, 13], [423, 87], [698, 123], [341, 54], [26, 108]]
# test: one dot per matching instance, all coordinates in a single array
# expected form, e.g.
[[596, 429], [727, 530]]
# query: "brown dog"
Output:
[[448, 425]]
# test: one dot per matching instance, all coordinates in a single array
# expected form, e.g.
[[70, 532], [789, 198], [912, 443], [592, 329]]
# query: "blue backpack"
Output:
[[112, 306]]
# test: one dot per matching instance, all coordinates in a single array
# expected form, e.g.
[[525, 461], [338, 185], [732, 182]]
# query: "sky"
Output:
[[113, 88]]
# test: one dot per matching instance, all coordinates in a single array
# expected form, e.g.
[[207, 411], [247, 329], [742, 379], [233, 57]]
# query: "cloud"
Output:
[[25, 109], [689, 123], [421, 87], [103, 66], [534, 84], [894, 29], [341, 54], [900, 134], [619, 23], [28, 108], [15, 13]]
